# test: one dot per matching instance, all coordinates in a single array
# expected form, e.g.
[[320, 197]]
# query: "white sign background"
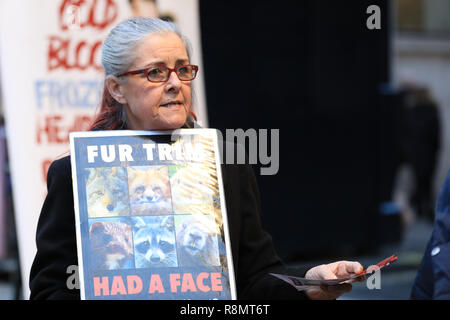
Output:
[[43, 100]]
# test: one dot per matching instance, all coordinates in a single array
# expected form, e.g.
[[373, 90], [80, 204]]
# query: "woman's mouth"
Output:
[[172, 104]]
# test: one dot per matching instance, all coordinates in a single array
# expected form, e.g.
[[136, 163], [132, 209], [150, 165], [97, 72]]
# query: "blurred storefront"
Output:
[[421, 59]]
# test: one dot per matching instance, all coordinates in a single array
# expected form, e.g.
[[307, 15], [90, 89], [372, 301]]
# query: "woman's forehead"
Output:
[[160, 48]]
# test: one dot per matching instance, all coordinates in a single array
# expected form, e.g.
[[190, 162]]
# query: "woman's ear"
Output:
[[115, 89]]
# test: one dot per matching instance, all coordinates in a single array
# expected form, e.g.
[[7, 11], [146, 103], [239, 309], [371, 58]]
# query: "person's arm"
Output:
[[55, 238], [440, 249], [256, 256]]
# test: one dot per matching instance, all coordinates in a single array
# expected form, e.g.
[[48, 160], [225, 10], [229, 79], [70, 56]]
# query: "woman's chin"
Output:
[[164, 120], [171, 123]]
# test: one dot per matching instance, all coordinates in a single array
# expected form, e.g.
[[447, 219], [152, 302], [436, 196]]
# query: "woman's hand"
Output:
[[340, 269]]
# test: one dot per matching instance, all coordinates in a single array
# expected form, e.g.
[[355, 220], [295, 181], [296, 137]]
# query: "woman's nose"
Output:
[[173, 83]]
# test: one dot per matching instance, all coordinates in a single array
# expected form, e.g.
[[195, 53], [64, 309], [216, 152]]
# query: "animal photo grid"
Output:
[[147, 208], [141, 217]]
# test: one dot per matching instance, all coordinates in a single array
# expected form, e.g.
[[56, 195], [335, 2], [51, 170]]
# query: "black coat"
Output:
[[252, 248], [433, 278]]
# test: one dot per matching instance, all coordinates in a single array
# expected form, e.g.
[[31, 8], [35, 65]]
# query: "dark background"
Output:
[[313, 70]]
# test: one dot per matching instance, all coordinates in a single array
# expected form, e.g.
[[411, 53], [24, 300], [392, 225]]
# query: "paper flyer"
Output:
[[305, 284]]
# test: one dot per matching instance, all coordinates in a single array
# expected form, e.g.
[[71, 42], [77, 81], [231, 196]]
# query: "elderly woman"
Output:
[[148, 87]]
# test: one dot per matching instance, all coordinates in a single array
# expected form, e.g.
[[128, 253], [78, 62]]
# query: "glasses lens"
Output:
[[186, 72], [157, 74]]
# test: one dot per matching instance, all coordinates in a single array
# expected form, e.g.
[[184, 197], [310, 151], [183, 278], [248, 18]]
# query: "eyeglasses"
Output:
[[161, 74]]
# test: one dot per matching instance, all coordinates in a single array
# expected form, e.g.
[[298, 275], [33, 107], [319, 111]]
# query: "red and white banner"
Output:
[[52, 81]]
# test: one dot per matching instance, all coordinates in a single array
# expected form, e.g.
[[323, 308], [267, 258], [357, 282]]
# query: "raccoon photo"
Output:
[[197, 241], [154, 242], [107, 192], [111, 245]]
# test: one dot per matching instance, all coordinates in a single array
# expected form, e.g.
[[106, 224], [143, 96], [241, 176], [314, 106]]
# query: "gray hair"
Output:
[[118, 55], [119, 45]]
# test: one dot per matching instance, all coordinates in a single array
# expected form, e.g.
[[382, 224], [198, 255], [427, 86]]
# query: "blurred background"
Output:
[[363, 108]]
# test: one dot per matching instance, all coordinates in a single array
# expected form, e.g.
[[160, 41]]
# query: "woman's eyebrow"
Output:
[[163, 64]]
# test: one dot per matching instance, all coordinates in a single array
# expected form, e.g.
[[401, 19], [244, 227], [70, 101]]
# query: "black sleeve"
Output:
[[432, 279], [55, 238], [257, 257], [423, 286]]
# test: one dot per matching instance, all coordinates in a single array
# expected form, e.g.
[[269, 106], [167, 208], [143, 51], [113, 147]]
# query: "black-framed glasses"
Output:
[[186, 72]]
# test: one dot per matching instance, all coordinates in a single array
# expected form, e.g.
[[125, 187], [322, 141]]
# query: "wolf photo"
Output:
[[107, 192]]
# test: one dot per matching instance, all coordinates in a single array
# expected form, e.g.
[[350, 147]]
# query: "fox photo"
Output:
[[149, 190]]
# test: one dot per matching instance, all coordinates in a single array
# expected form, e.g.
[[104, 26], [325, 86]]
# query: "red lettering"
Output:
[[216, 281], [109, 14], [134, 284], [83, 57], [87, 13], [117, 286], [51, 128], [57, 53], [200, 284], [101, 285], [155, 284], [174, 281], [80, 123], [77, 56], [188, 283], [95, 49]]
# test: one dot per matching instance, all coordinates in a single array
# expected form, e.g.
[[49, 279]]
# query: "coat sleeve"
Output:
[[55, 238], [423, 284], [256, 254], [433, 278]]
